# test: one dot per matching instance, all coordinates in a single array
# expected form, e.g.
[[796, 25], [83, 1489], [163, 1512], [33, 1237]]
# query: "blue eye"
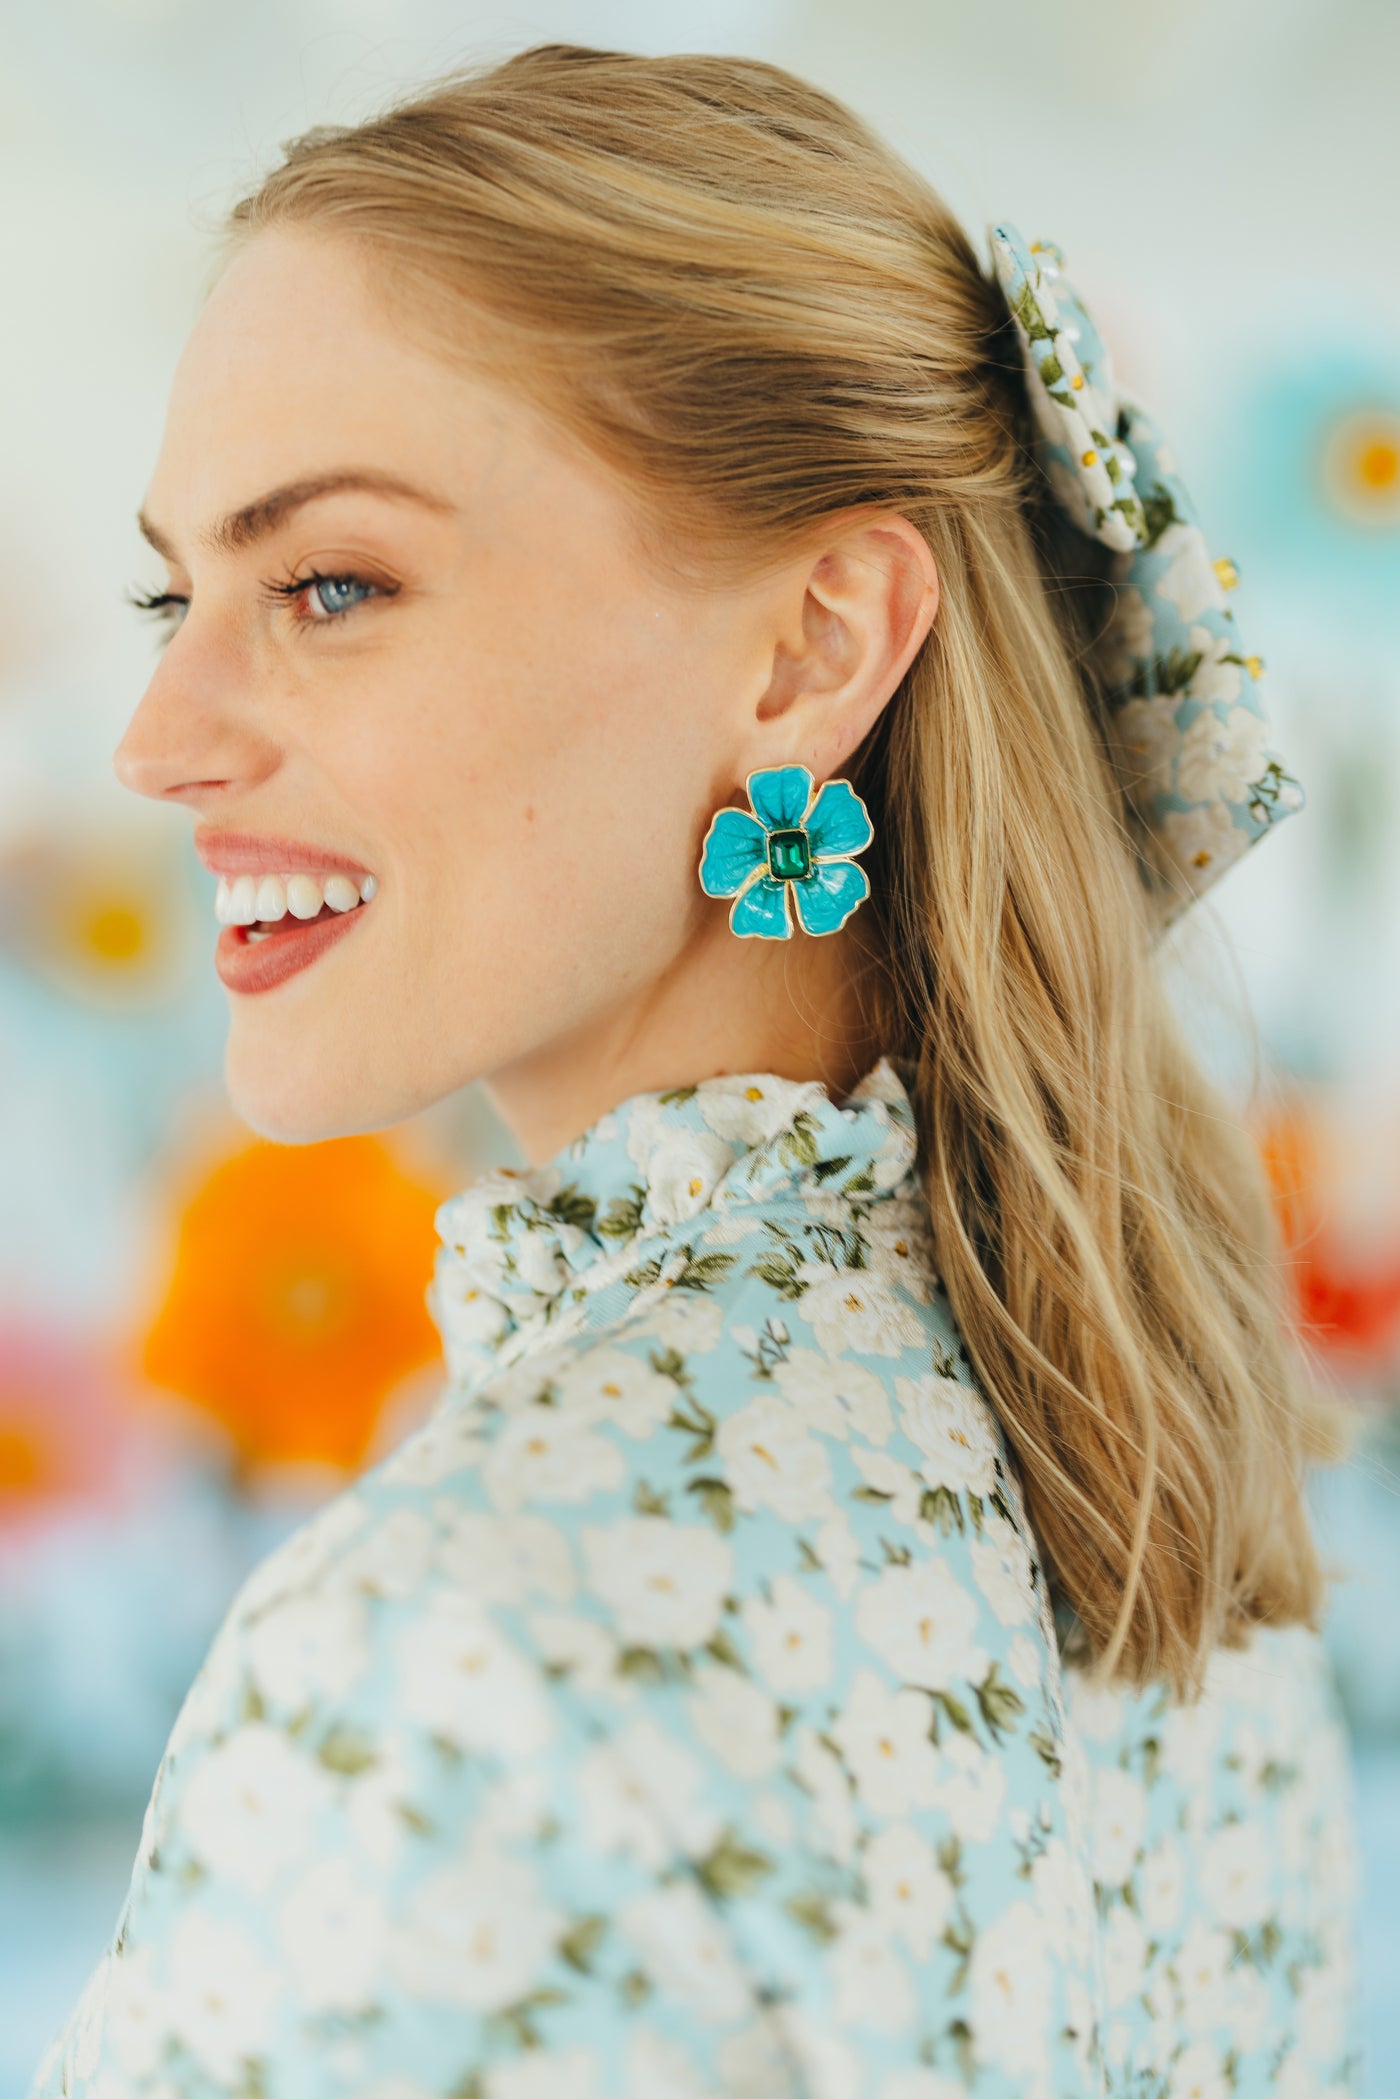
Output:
[[336, 594]]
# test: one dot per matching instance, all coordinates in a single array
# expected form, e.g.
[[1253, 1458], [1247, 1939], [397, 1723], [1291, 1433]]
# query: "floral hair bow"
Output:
[[1189, 726]]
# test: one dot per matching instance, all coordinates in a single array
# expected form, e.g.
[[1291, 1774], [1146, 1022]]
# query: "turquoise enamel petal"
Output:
[[780, 795], [762, 911], [838, 822], [734, 846], [826, 900]]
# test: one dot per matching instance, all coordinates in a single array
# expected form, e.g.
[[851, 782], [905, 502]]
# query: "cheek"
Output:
[[548, 795]]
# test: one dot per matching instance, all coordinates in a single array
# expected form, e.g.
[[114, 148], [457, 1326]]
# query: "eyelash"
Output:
[[161, 605]]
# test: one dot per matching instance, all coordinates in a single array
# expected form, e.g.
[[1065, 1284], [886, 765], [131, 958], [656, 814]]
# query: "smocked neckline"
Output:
[[521, 1244]]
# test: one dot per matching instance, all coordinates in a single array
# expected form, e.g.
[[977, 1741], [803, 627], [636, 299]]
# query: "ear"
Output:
[[850, 618]]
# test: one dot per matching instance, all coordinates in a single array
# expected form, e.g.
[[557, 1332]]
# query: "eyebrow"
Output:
[[253, 521]]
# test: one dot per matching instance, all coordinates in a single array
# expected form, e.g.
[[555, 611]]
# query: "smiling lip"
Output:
[[249, 966], [257, 853]]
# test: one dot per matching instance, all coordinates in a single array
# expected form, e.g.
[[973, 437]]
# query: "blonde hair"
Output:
[[719, 280]]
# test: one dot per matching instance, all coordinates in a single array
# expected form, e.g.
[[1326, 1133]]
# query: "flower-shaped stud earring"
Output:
[[795, 844]]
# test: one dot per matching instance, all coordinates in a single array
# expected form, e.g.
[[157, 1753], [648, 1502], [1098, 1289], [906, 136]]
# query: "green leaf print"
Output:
[[571, 1206], [581, 1941], [813, 1912], [716, 1501], [779, 1272], [346, 1751], [1000, 1704], [699, 1423], [731, 1867], [623, 1217]]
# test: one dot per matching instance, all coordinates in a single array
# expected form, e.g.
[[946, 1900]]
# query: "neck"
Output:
[[801, 1009]]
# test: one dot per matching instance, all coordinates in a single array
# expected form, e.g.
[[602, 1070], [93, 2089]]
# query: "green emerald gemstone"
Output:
[[789, 856]]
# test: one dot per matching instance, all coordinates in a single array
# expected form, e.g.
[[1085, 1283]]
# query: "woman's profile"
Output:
[[657, 626]]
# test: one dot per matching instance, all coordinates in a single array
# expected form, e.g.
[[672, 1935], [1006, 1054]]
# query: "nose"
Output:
[[192, 734]]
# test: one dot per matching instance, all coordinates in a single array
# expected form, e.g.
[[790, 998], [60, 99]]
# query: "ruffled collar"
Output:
[[524, 1250]]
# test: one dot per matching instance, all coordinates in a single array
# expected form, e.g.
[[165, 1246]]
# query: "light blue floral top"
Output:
[[677, 1714]]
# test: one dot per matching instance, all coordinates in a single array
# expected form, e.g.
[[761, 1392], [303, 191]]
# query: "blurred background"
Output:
[[201, 1335]]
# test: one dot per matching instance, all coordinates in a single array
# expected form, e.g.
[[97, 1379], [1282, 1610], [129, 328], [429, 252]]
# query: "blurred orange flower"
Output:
[[297, 1298], [1347, 1303]]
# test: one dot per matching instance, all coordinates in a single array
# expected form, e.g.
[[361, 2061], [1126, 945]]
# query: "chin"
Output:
[[291, 1101]]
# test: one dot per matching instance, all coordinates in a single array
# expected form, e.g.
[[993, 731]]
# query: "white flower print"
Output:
[[852, 1308], [1010, 1989], [821, 1776], [1161, 1886], [1003, 1569], [791, 1635], [623, 1389], [1215, 679], [300, 1561], [460, 1678], [550, 1454], [770, 1461], [840, 1399], [948, 1423], [1222, 757], [665, 1582], [642, 1791], [222, 1993], [870, 1984], [334, 1936], [656, 2064], [1024, 1660], [137, 2014], [1097, 1709], [475, 1934], [1146, 740], [503, 1559], [313, 1645], [753, 2064], [838, 1550], [1187, 579], [390, 1557], [830, 2067], [919, 2083], [1234, 1875], [447, 1444], [249, 1807], [693, 1655], [908, 1892], [737, 1720], [746, 1110], [920, 1620], [1202, 838], [379, 1806], [971, 1789], [543, 2074], [897, 1235], [896, 1483], [681, 1945], [1124, 1954], [883, 1737], [1120, 1816], [1199, 2073], [685, 1320], [582, 1649], [681, 1173], [1202, 1966]]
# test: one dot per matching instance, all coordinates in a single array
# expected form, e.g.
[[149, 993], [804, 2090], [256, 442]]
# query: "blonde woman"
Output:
[[647, 620]]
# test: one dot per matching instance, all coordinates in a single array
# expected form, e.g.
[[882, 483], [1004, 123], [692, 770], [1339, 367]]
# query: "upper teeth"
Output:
[[263, 899]]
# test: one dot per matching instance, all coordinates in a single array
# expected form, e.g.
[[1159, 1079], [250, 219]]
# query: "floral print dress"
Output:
[[678, 1713]]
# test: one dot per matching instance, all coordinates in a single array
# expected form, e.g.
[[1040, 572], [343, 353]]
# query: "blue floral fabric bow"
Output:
[[1189, 725]]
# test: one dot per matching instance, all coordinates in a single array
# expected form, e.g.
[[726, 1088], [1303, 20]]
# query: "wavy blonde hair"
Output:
[[735, 295]]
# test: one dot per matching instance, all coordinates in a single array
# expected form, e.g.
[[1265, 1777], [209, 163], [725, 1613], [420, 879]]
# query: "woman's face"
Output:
[[489, 705]]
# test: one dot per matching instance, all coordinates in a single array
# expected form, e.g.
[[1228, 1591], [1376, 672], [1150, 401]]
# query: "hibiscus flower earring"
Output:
[[797, 844]]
